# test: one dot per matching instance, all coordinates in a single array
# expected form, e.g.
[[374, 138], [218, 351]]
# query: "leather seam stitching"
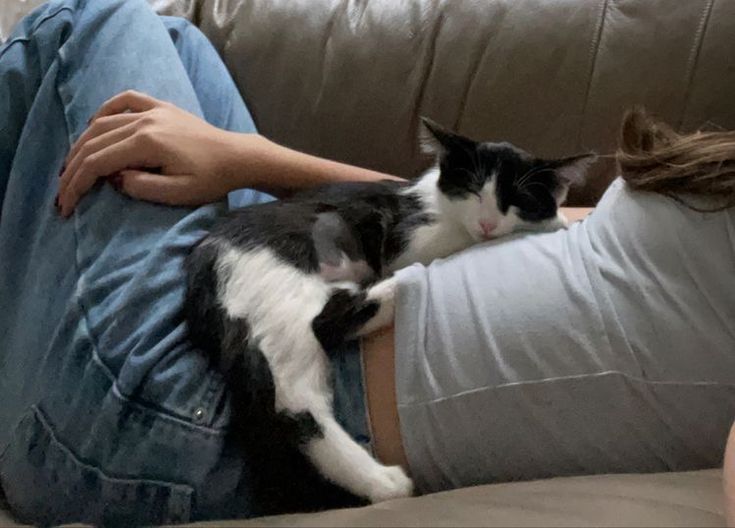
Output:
[[431, 52], [593, 56], [475, 71], [328, 37], [694, 55]]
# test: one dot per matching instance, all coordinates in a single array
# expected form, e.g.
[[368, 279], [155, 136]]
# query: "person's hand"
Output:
[[132, 132]]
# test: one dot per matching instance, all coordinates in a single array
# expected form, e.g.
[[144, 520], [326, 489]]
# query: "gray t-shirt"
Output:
[[607, 347]]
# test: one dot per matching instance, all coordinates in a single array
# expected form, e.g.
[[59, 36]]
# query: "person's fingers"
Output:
[[97, 128], [170, 190], [109, 160], [129, 100], [91, 147]]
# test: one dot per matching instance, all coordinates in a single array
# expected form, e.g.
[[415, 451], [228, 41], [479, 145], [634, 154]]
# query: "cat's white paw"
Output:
[[383, 293], [390, 482], [562, 220]]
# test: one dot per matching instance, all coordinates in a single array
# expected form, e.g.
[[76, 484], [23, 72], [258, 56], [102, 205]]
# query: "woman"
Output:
[[607, 347]]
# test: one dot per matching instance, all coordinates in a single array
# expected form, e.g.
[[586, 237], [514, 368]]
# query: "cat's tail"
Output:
[[223, 339], [202, 309]]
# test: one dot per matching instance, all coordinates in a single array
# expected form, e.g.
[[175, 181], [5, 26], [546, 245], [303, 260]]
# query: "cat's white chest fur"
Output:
[[439, 238], [430, 242]]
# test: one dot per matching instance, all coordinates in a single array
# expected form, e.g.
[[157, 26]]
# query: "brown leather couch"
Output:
[[347, 80]]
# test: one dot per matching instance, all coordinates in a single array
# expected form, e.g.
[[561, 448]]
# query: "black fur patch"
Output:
[[342, 316], [372, 219], [300, 427], [279, 478], [522, 180], [204, 315]]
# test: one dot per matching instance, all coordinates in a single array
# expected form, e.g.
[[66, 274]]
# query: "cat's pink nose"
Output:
[[487, 228]]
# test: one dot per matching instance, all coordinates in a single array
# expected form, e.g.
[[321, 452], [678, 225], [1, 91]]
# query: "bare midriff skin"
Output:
[[379, 360]]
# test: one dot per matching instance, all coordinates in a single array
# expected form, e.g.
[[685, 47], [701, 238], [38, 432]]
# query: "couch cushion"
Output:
[[665, 499], [10, 12]]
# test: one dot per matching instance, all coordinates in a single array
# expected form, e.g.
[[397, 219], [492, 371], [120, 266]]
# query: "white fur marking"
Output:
[[384, 293], [279, 307]]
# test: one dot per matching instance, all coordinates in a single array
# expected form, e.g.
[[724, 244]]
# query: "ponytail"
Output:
[[654, 157]]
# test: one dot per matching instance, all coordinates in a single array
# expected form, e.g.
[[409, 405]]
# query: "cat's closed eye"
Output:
[[527, 201], [535, 205]]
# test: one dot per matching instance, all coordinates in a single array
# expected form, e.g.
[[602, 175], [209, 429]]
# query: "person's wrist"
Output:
[[238, 159]]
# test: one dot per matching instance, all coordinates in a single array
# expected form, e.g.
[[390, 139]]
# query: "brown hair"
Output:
[[654, 157]]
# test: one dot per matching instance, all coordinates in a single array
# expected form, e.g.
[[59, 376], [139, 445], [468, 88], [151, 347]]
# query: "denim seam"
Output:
[[211, 393], [95, 357], [186, 488], [140, 403], [34, 28]]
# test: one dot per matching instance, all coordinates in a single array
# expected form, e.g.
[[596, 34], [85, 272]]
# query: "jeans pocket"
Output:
[[46, 484]]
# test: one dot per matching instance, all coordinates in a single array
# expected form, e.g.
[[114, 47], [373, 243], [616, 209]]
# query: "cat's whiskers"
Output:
[[519, 184], [470, 173], [528, 193]]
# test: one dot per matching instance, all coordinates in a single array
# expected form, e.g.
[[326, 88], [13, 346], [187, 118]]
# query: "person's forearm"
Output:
[[729, 478], [575, 214], [258, 163]]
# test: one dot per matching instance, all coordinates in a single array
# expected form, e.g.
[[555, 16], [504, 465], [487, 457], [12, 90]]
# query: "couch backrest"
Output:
[[11, 11], [348, 79]]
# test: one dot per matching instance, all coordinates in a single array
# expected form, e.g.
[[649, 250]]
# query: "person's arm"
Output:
[[152, 150], [280, 171], [729, 478], [574, 214]]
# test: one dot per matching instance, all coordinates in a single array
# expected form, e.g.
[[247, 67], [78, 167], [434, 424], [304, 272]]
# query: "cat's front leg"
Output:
[[383, 296], [343, 461], [348, 314]]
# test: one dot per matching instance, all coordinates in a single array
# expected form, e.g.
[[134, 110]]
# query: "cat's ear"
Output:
[[573, 169], [437, 140]]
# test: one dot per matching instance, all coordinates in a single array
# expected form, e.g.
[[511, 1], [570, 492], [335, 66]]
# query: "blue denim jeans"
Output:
[[107, 414]]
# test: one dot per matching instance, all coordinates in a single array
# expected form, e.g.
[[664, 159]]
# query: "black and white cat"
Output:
[[275, 286]]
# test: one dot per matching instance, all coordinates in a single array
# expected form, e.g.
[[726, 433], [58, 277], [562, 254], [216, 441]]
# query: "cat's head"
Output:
[[493, 189]]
